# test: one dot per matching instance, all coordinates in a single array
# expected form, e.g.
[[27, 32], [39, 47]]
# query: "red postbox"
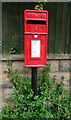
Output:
[[35, 38]]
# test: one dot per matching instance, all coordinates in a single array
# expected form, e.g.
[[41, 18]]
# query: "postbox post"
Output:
[[34, 80]]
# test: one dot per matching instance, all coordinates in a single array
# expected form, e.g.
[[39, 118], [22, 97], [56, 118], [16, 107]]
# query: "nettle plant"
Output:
[[51, 102]]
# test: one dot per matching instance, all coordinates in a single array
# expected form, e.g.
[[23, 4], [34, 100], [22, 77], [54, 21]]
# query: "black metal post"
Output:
[[34, 80]]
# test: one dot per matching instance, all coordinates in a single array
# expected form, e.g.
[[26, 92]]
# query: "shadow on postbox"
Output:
[[35, 38]]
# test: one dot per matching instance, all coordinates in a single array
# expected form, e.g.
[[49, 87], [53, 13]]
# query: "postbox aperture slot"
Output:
[[36, 22]]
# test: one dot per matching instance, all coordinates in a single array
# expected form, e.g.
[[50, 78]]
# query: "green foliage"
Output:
[[52, 101], [0, 46], [9, 63], [14, 45], [40, 5], [9, 66]]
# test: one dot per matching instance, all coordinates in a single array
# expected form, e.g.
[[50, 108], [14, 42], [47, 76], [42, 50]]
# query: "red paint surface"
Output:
[[35, 23]]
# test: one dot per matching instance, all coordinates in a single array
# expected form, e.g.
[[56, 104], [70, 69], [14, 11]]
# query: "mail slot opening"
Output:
[[36, 22]]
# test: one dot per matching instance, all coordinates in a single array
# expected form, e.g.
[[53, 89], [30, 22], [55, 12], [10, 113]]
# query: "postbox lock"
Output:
[[35, 36]]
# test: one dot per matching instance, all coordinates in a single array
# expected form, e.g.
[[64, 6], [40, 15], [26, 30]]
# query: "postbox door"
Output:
[[36, 50]]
